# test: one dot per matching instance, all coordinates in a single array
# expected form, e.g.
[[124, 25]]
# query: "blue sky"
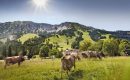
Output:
[[103, 14]]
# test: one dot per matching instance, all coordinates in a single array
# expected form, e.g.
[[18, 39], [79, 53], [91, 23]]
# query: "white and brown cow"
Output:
[[68, 62], [92, 54], [14, 60], [74, 52]]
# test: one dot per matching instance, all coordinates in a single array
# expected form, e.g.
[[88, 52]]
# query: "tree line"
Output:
[[35, 46], [41, 46], [110, 46]]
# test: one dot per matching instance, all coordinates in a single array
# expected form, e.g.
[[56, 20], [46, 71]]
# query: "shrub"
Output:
[[44, 50]]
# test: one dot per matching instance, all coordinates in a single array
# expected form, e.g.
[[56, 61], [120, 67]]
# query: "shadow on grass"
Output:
[[74, 75]]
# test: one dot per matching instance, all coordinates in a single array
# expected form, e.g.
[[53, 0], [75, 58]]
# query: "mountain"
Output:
[[24, 27], [18, 27]]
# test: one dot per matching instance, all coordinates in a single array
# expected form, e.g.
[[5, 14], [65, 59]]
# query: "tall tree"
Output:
[[9, 51], [110, 47], [4, 54], [97, 46], [85, 44], [44, 50]]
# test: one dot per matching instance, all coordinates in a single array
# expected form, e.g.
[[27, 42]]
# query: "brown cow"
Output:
[[92, 54], [67, 63], [74, 52], [85, 54], [14, 60]]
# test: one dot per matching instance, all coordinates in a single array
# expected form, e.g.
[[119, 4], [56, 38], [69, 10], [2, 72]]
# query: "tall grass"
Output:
[[106, 69]]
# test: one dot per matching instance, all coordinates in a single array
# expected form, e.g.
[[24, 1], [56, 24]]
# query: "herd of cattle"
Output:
[[70, 56], [68, 60]]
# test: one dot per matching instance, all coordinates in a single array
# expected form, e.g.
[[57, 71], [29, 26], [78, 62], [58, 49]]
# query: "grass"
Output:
[[25, 37], [117, 68], [62, 41], [86, 35], [126, 73]]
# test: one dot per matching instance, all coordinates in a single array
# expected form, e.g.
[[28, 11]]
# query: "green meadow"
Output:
[[110, 68]]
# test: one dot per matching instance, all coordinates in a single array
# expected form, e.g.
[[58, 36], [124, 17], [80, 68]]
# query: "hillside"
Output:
[[62, 41], [26, 37], [67, 33], [65, 42], [23, 27]]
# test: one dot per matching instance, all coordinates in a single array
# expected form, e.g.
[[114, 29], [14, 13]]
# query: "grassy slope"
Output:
[[27, 36], [107, 69], [86, 35], [63, 39]]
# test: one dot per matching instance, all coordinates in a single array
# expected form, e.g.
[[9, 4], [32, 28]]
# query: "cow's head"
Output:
[[21, 57]]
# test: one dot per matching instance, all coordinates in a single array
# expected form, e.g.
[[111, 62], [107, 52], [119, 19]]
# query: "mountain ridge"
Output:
[[23, 27]]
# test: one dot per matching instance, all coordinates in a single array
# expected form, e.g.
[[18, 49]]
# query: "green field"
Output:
[[116, 68]]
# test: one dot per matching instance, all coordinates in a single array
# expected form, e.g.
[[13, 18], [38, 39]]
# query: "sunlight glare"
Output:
[[40, 3]]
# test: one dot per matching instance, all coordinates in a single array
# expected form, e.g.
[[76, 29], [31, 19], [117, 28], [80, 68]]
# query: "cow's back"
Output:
[[68, 62]]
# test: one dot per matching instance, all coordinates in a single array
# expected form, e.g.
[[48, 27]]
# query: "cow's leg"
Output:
[[72, 63], [99, 57], [6, 63], [67, 73], [61, 73], [78, 58], [74, 66], [18, 64]]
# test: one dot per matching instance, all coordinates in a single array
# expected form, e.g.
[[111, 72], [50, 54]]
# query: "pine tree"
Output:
[[9, 51]]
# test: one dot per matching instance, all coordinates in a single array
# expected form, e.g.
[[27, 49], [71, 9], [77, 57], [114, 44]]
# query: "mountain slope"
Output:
[[23, 27], [26, 37]]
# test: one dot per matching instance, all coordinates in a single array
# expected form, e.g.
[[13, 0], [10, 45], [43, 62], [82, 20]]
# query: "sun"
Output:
[[40, 3]]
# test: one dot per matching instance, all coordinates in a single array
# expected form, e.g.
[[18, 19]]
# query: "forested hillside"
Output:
[[44, 39]]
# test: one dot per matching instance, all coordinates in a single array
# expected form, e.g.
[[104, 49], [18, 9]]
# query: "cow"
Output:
[[92, 54], [29, 56], [68, 62], [85, 54], [74, 52], [102, 54], [13, 60]]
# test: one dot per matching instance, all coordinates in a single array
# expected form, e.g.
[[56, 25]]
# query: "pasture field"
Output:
[[111, 68]]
